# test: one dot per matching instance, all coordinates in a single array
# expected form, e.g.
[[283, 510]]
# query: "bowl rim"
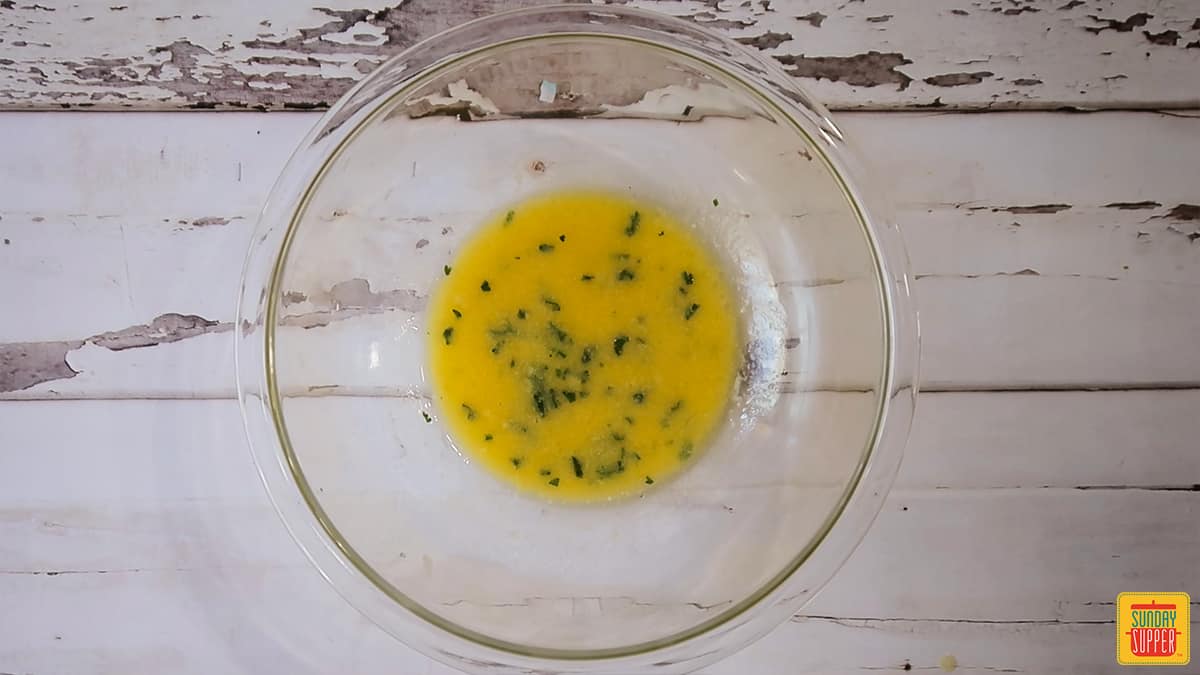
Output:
[[346, 570]]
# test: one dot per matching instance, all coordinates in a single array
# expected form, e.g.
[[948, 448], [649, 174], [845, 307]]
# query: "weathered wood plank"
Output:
[[1033, 269], [874, 54], [237, 622], [234, 622], [169, 523]]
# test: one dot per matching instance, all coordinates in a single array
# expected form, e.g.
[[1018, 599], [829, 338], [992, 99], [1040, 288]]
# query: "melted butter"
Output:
[[583, 346]]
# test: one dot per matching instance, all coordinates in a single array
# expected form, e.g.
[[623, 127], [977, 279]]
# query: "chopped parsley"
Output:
[[559, 334], [551, 303], [577, 466], [469, 411], [639, 397], [446, 270], [619, 344], [457, 314], [690, 311], [485, 286], [625, 275], [688, 278], [508, 217], [448, 334], [554, 481], [634, 221], [428, 419], [586, 277], [609, 470], [546, 248], [649, 480]]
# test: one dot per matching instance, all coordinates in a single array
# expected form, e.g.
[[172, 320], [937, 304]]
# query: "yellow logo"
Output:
[[1153, 629]]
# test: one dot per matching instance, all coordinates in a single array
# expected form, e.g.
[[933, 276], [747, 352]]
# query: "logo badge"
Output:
[[1153, 629]]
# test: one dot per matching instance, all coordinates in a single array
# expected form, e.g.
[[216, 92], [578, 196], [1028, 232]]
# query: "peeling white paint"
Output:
[[1072, 50]]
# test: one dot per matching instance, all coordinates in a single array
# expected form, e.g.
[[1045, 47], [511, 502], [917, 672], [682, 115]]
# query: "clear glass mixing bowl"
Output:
[[331, 364]]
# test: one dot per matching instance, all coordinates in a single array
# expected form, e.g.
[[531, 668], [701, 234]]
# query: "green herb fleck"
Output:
[[551, 303], [537, 388], [546, 248], [487, 437], [649, 480], [504, 330], [457, 314], [562, 237], [521, 314], [716, 202], [661, 232], [469, 411], [428, 419], [554, 481], [690, 311], [560, 334], [448, 334], [508, 217], [687, 110], [619, 344], [629, 420], [617, 436], [577, 466], [666, 419], [586, 277], [485, 286], [516, 462], [587, 354], [446, 270], [688, 278], [544, 472], [634, 221], [609, 470], [625, 275], [569, 395], [685, 451], [639, 397]]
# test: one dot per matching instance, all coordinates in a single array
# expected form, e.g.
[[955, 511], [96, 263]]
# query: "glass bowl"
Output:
[[332, 332]]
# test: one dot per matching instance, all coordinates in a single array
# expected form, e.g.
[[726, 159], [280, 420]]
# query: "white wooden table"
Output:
[[1055, 241]]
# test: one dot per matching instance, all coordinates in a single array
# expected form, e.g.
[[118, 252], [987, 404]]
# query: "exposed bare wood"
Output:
[[1032, 270], [873, 54]]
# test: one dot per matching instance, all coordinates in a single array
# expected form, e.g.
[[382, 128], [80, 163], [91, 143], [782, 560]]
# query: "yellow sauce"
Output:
[[583, 346]]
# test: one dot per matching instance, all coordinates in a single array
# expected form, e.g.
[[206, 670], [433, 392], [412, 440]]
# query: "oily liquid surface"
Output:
[[583, 346]]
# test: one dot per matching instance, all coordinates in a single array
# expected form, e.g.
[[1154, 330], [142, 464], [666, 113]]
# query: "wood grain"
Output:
[[151, 508], [871, 54], [1033, 269]]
